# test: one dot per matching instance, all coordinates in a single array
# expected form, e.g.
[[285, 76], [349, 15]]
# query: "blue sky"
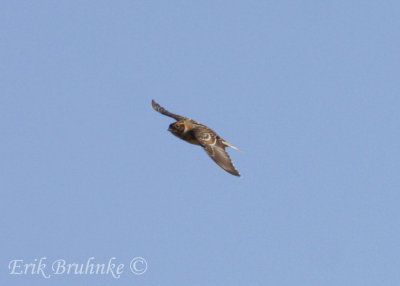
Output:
[[309, 90]]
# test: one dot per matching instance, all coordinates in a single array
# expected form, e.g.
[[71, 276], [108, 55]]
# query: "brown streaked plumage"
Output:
[[195, 133]]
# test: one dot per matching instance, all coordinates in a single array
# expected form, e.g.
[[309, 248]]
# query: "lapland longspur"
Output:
[[195, 133]]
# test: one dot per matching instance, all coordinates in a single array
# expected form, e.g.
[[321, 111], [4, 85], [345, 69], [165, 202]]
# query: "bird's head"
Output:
[[177, 128]]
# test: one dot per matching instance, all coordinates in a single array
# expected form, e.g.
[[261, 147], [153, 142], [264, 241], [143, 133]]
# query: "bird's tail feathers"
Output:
[[230, 145]]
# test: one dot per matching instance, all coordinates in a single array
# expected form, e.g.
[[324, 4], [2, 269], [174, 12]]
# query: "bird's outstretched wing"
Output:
[[215, 148], [160, 109], [221, 157]]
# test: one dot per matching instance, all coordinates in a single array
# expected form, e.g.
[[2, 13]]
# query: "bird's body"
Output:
[[195, 133]]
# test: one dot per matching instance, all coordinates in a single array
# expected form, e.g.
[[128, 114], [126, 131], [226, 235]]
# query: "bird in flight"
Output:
[[195, 133]]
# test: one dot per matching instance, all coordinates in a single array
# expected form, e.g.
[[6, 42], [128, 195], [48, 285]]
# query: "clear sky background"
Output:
[[309, 90]]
